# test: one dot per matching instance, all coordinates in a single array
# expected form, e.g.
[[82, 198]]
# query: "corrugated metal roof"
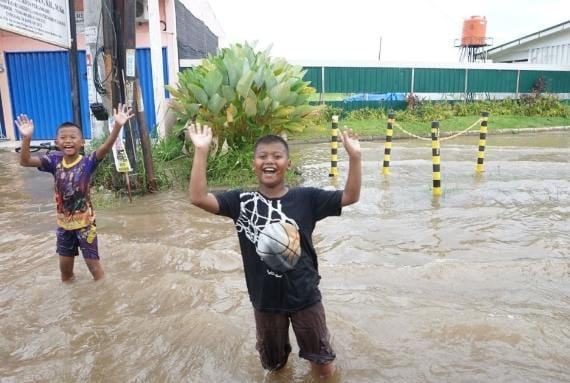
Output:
[[533, 36]]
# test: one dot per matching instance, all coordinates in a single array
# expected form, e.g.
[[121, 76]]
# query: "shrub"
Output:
[[243, 94]]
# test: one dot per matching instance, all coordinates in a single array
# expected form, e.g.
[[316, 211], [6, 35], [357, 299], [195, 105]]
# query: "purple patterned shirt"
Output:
[[72, 183]]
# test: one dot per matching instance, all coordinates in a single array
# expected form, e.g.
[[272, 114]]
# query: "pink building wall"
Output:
[[10, 42]]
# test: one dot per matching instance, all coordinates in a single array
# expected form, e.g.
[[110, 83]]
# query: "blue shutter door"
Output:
[[40, 87]]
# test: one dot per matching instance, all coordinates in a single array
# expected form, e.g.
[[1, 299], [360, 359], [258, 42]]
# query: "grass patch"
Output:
[[377, 127]]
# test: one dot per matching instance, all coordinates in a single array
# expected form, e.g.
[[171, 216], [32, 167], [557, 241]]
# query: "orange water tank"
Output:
[[474, 30]]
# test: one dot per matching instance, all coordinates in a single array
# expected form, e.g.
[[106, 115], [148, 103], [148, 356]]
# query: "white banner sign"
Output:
[[45, 20]]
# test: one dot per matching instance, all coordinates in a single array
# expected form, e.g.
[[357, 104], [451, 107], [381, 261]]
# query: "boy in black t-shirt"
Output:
[[275, 226]]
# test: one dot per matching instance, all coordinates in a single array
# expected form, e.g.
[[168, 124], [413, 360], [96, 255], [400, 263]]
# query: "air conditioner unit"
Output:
[[141, 11]]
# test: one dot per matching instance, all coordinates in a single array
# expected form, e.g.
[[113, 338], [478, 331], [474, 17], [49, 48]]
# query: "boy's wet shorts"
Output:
[[70, 241], [310, 328]]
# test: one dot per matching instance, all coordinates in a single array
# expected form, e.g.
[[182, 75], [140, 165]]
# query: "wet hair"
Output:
[[271, 139], [68, 124]]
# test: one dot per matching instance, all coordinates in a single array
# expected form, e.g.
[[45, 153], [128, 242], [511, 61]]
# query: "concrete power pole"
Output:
[[99, 99], [132, 97], [75, 99], [110, 38], [125, 53]]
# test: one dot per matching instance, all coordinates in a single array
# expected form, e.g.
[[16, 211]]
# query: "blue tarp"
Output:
[[376, 97]]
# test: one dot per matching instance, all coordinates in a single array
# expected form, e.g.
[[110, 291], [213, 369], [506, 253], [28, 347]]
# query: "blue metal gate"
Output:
[[144, 69], [40, 87]]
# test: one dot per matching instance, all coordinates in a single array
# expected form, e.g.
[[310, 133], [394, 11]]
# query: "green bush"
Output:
[[243, 94], [535, 104], [367, 114]]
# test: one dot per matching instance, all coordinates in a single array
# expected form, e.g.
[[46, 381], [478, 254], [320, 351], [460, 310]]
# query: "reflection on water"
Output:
[[470, 286]]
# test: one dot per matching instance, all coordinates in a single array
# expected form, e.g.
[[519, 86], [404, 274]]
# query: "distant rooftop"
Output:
[[533, 36]]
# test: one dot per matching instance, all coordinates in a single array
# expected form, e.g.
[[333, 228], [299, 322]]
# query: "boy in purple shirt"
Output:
[[72, 181]]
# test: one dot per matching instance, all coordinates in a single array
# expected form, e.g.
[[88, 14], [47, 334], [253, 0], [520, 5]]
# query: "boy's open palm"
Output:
[[351, 143], [201, 136], [122, 114], [25, 125]]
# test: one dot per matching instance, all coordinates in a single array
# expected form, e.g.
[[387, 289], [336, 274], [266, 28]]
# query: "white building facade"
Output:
[[550, 46]]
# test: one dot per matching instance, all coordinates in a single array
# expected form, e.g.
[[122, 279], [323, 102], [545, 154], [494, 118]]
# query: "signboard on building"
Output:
[[45, 20]]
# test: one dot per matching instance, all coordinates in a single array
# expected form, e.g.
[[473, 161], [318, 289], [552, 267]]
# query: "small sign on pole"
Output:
[[130, 62], [122, 163]]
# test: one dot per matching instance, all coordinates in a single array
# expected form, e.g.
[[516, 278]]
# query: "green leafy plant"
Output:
[[367, 114], [242, 94]]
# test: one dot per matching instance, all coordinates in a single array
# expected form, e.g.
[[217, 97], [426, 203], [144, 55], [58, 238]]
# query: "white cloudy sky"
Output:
[[410, 30]]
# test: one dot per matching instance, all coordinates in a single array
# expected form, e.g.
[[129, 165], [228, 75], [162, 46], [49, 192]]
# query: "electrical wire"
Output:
[[100, 85]]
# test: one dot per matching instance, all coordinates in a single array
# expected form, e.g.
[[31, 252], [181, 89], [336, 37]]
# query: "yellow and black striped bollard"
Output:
[[435, 159], [334, 147], [480, 167], [388, 143]]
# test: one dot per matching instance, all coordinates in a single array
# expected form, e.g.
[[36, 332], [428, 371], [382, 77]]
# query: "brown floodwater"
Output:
[[471, 286]]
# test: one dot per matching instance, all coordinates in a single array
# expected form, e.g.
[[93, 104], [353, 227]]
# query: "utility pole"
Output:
[[126, 50], [132, 95], [75, 99], [96, 75], [109, 56], [108, 81], [113, 48]]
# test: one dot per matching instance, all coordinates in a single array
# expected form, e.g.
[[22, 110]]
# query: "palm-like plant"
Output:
[[243, 94]]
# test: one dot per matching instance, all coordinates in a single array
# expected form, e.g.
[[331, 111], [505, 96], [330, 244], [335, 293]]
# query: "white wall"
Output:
[[553, 54], [553, 49]]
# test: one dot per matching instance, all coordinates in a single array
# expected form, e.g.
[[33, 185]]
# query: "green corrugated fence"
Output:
[[335, 79]]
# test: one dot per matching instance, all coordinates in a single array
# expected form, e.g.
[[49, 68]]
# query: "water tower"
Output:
[[474, 39]]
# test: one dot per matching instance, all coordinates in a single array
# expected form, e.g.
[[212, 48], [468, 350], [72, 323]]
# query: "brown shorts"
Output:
[[310, 328]]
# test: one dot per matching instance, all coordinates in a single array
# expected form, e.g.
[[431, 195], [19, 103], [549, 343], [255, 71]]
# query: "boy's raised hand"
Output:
[[201, 136], [122, 114], [350, 142], [25, 125]]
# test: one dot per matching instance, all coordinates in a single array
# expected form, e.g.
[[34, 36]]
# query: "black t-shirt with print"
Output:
[[271, 289]]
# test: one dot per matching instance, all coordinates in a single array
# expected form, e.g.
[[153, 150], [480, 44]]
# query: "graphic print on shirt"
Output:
[[73, 203], [70, 190], [275, 236]]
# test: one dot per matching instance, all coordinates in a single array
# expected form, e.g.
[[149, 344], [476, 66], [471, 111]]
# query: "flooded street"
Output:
[[473, 286]]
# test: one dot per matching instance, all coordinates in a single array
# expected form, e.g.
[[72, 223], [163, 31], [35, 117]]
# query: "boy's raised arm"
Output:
[[120, 116], [201, 137], [26, 128], [351, 192]]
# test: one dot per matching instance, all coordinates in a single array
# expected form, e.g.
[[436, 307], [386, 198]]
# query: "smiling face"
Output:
[[270, 164], [69, 140]]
